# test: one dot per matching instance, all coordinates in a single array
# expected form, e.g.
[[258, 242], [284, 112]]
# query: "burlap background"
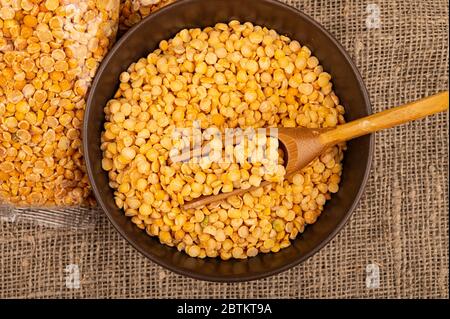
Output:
[[401, 224]]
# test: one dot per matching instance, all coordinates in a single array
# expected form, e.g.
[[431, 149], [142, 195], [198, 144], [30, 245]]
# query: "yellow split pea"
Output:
[[227, 76]]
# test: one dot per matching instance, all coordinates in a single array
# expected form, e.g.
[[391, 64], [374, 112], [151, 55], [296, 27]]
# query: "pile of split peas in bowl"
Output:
[[235, 75]]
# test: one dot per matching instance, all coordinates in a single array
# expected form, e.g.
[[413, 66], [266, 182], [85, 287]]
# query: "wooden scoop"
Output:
[[302, 145]]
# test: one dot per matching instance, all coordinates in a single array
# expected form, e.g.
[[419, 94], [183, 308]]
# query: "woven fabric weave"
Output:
[[400, 226]]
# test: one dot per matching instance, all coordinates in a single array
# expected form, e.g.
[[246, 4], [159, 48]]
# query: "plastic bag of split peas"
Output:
[[49, 53], [133, 11]]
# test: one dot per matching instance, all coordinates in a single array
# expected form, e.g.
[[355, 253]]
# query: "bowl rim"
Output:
[[230, 278]]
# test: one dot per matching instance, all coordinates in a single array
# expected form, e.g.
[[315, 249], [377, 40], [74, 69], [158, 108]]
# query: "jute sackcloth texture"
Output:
[[399, 228]]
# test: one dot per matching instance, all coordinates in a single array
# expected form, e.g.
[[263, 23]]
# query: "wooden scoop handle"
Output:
[[386, 119]]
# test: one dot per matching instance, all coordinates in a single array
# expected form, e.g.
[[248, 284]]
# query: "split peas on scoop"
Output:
[[227, 76]]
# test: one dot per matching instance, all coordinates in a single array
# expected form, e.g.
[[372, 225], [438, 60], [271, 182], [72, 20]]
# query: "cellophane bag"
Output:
[[133, 11], [49, 53]]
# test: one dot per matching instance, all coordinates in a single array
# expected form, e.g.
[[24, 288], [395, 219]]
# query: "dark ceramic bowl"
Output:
[[349, 86]]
